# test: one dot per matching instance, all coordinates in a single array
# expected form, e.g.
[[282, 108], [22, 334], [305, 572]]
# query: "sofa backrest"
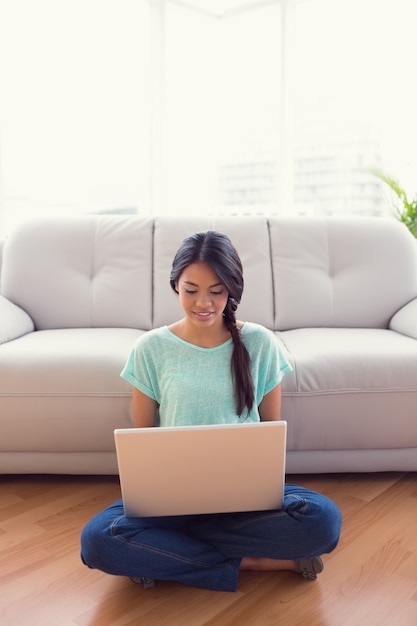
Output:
[[341, 272], [1, 257], [106, 271], [81, 272], [114, 271]]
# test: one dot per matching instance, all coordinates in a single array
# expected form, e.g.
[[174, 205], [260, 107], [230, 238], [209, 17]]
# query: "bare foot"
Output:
[[264, 564]]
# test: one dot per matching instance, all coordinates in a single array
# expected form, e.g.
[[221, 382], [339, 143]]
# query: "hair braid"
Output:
[[240, 363]]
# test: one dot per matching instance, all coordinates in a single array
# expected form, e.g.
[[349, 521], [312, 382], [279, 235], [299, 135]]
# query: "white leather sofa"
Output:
[[340, 294]]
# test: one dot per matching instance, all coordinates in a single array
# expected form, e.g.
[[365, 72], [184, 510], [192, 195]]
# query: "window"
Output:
[[204, 106], [74, 107], [222, 93], [353, 91]]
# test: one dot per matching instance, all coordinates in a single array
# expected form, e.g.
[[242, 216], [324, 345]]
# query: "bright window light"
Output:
[[205, 107]]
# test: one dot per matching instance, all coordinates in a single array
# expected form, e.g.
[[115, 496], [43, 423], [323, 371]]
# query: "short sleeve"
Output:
[[269, 362], [278, 365], [140, 370]]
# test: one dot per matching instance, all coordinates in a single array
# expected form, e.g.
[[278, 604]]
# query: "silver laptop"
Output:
[[188, 470]]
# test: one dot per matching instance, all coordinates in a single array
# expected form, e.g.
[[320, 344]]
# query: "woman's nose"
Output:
[[204, 299]]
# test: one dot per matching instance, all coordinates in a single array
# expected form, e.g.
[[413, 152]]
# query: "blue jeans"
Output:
[[206, 550]]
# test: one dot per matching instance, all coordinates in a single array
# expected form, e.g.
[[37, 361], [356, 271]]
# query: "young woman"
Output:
[[208, 368]]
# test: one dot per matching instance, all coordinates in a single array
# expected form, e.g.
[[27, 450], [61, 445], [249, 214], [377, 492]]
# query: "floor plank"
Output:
[[370, 578]]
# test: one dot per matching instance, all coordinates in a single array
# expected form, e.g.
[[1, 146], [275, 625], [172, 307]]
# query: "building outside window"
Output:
[[237, 107]]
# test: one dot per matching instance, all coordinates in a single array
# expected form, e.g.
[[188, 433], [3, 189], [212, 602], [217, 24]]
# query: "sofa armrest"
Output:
[[405, 320], [14, 321]]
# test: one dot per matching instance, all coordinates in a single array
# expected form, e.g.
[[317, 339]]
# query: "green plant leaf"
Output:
[[405, 209]]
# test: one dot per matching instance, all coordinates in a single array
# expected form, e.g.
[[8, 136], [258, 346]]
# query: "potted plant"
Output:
[[405, 209]]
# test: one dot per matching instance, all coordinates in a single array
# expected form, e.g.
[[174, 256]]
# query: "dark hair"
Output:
[[217, 250]]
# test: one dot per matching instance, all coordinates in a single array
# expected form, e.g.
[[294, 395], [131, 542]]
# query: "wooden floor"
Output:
[[371, 578]]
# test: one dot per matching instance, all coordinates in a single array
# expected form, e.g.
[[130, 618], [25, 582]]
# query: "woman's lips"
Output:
[[203, 315]]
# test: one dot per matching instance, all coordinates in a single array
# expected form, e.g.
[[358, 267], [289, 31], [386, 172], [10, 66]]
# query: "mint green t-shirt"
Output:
[[194, 385]]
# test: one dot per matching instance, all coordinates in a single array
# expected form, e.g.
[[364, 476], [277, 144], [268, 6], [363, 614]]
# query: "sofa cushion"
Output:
[[81, 272], [334, 272], [350, 389], [251, 239], [14, 322], [61, 390]]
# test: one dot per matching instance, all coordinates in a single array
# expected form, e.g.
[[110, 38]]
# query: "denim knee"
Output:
[[89, 546], [334, 516], [97, 549], [320, 517], [328, 526]]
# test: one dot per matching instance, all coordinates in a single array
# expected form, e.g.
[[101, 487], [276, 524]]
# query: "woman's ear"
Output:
[[176, 288]]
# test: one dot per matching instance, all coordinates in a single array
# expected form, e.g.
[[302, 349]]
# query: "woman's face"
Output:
[[202, 295]]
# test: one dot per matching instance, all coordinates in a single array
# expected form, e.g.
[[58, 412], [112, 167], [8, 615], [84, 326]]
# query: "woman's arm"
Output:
[[144, 410], [270, 407]]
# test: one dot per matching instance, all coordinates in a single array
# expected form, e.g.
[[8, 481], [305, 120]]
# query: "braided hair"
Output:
[[217, 250]]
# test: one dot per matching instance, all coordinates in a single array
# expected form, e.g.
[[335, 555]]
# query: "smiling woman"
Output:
[[210, 369], [209, 263]]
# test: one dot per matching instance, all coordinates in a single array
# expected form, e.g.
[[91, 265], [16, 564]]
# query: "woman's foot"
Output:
[[308, 568], [260, 564]]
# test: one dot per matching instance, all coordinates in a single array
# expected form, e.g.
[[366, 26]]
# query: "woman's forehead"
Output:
[[200, 273]]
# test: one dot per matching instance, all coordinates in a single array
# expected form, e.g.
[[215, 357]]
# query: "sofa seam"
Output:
[[92, 269], [65, 394], [349, 391], [274, 312], [153, 230], [330, 271]]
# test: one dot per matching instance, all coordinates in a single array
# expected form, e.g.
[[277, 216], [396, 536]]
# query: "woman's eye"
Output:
[[194, 291]]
